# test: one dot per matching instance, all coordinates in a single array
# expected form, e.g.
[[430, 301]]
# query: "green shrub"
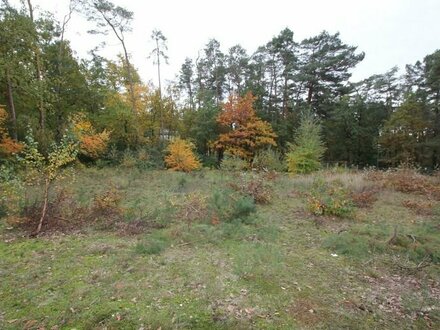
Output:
[[12, 192], [329, 198], [233, 163], [268, 160], [209, 161], [228, 206], [154, 244]]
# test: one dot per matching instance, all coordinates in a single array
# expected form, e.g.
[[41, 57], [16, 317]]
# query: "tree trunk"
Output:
[[285, 98], [160, 88], [42, 119], [310, 93], [130, 77], [11, 105], [46, 200]]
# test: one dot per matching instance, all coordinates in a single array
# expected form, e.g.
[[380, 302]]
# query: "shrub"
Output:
[[12, 192], [92, 145], [408, 180], [365, 197], [193, 208], [8, 146], [181, 156], [268, 160], [129, 159], [229, 207], [232, 163], [253, 186], [329, 198], [107, 204]]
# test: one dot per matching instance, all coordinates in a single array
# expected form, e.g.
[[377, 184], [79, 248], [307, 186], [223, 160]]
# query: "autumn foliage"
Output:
[[245, 132], [8, 146], [92, 144], [181, 156]]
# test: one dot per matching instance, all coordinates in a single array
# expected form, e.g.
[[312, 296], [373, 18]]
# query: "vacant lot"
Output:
[[130, 249]]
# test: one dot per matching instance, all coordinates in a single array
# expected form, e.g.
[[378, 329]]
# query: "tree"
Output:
[[159, 52], [92, 145], [325, 64], [236, 69], [47, 168], [244, 133], [181, 156], [186, 81], [16, 37], [308, 149], [211, 74], [109, 16], [405, 135]]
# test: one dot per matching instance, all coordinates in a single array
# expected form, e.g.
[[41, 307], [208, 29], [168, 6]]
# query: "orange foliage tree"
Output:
[[245, 132], [92, 144], [181, 156], [8, 146]]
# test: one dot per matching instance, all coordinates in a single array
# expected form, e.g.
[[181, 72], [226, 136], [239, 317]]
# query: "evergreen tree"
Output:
[[306, 152]]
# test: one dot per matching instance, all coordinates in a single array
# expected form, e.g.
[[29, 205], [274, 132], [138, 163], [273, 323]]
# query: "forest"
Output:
[[384, 120], [260, 188]]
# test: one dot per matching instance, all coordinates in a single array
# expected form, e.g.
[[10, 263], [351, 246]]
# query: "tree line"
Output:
[[384, 120]]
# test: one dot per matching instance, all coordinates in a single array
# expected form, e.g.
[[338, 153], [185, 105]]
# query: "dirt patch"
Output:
[[235, 306], [307, 312]]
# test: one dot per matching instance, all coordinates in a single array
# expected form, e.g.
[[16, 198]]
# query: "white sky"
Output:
[[390, 32]]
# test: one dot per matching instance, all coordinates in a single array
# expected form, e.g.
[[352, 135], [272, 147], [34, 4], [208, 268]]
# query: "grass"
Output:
[[279, 267]]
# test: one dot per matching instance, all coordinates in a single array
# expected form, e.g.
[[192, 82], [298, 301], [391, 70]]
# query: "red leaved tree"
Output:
[[244, 133]]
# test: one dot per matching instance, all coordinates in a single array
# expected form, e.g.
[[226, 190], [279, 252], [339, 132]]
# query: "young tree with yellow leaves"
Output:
[[181, 156], [244, 133], [47, 168]]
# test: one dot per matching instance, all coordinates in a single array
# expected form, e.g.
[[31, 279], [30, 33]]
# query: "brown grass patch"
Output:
[[366, 197], [419, 207], [307, 312], [65, 215], [255, 187], [408, 181]]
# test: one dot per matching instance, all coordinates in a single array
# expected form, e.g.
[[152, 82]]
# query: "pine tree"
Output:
[[306, 152]]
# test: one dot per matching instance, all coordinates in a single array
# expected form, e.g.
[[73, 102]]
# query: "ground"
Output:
[[190, 265]]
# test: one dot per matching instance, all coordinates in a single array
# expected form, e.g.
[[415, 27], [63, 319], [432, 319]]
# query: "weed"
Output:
[[107, 204], [269, 160], [253, 186], [419, 207], [329, 198], [365, 197], [233, 164], [154, 244], [229, 207]]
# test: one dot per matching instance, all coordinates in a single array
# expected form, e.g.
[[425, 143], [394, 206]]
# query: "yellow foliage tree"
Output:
[[92, 144], [181, 156], [8, 146]]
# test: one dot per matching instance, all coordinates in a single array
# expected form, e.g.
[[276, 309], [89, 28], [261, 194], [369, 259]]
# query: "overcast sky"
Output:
[[390, 32]]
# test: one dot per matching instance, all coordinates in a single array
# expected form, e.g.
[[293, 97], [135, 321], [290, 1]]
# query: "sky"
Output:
[[390, 32]]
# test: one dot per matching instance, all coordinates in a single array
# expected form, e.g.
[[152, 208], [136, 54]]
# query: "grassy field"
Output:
[[166, 250]]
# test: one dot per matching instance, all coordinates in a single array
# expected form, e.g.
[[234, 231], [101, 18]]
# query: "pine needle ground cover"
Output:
[[209, 255]]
